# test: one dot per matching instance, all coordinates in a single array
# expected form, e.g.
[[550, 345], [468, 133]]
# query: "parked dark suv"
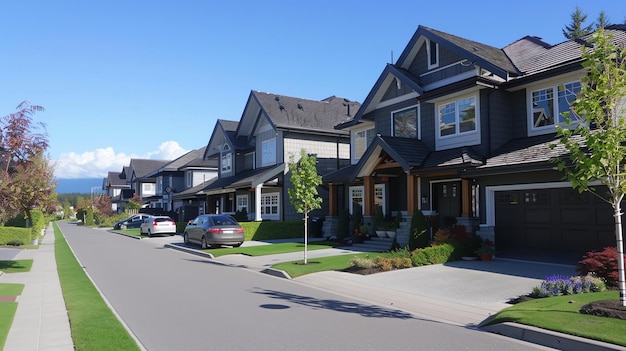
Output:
[[131, 222]]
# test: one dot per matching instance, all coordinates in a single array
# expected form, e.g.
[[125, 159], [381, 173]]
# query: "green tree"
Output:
[[602, 20], [597, 152], [303, 193], [576, 29]]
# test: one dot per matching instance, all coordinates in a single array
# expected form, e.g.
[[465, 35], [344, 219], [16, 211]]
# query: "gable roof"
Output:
[[224, 128], [143, 167], [533, 56], [183, 161], [286, 112]]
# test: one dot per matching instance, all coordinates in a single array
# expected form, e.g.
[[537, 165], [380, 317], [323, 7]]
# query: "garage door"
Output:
[[555, 219]]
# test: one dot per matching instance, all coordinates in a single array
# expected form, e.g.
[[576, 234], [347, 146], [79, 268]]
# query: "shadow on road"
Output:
[[339, 306]]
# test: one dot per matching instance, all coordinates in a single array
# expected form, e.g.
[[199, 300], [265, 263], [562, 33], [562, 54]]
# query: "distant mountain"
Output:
[[79, 185]]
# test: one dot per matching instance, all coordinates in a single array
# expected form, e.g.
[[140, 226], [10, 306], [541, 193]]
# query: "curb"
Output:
[[189, 250], [549, 338], [276, 272]]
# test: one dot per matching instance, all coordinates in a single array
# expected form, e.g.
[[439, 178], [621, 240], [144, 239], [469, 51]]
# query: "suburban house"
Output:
[[118, 190], [175, 178], [133, 179], [253, 153], [461, 130]]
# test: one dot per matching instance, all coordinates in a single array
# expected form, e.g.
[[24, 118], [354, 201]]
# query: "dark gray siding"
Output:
[[428, 124], [498, 124], [420, 65]]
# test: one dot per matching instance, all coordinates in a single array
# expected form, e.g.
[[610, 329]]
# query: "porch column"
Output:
[[412, 200], [257, 203], [368, 195], [466, 198], [332, 199]]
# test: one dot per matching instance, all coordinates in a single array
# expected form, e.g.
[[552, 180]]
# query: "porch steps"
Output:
[[375, 244]]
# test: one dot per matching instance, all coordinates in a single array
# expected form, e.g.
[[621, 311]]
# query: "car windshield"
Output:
[[162, 219], [223, 220]]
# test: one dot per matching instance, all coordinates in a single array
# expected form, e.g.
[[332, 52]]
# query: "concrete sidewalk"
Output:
[[41, 321]]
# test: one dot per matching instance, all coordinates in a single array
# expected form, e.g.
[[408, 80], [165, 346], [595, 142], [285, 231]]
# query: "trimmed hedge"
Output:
[[14, 236], [269, 230], [37, 224]]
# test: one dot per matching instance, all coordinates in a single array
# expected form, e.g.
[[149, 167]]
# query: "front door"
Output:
[[447, 199]]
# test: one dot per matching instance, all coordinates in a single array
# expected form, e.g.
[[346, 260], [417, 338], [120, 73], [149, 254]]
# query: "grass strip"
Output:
[[93, 325], [16, 266], [272, 249], [9, 289], [330, 263], [560, 313], [7, 311]]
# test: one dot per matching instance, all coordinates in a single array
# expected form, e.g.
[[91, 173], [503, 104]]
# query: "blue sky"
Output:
[[148, 79]]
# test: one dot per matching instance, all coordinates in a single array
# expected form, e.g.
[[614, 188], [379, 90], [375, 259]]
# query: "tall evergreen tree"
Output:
[[575, 29], [603, 20]]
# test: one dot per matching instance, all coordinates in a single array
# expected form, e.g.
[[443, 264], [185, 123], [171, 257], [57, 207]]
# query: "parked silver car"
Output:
[[214, 229], [157, 225]]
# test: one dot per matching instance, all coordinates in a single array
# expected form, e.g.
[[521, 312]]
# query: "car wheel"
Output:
[[203, 243], [186, 239]]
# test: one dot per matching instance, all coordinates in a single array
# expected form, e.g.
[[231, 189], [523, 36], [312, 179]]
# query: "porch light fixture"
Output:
[[425, 199]]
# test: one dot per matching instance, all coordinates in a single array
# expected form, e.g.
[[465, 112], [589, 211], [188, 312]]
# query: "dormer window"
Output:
[[547, 105], [432, 50]]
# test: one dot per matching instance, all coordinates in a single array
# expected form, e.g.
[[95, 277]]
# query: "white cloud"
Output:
[[97, 164]]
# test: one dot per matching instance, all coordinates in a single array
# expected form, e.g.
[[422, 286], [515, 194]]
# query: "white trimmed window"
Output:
[[405, 123], [459, 122], [357, 194], [227, 159], [268, 152], [270, 206], [432, 49], [242, 203], [547, 106], [189, 178], [362, 139]]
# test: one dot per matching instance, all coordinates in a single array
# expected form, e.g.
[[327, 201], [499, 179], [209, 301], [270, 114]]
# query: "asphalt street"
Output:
[[173, 300]]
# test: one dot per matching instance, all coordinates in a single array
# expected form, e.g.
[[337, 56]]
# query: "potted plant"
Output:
[[486, 250]]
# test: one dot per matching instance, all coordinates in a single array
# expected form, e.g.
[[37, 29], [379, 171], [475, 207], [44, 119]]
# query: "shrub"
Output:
[[357, 218], [433, 255], [362, 262], [14, 235], [37, 224], [419, 231], [241, 216], [602, 264], [556, 285], [343, 228], [391, 263], [267, 230], [379, 219]]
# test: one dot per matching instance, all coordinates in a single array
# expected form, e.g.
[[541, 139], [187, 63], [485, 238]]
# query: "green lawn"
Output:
[[7, 309], [329, 263], [272, 249], [9, 289], [132, 232], [17, 266], [560, 313], [93, 324]]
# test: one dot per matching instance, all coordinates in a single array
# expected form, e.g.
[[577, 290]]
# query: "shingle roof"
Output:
[[527, 150], [142, 167], [407, 151], [454, 158], [486, 52], [342, 175], [292, 112], [114, 179], [531, 55]]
